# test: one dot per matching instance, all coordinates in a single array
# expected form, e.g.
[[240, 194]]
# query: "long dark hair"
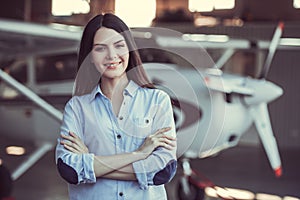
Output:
[[108, 20]]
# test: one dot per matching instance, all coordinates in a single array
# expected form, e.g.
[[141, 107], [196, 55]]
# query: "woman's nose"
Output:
[[111, 53]]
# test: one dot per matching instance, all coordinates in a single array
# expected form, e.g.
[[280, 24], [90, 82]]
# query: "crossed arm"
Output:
[[107, 167]]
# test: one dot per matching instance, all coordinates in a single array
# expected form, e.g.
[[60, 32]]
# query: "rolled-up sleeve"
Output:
[[74, 168], [160, 166]]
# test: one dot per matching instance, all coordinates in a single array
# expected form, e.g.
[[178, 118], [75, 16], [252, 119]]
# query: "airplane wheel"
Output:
[[195, 193]]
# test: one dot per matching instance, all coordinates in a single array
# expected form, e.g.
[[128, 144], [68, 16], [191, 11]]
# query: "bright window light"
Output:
[[290, 41], [139, 15], [240, 194], [296, 3], [206, 38], [201, 5], [209, 5], [69, 7], [15, 150], [224, 4], [290, 198], [263, 196]]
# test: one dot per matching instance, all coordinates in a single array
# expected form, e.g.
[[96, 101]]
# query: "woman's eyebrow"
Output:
[[99, 44], [122, 40]]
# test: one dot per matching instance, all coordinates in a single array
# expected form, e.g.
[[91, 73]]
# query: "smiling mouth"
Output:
[[112, 65]]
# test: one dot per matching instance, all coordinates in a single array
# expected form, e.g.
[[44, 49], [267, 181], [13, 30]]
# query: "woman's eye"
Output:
[[120, 45], [99, 49]]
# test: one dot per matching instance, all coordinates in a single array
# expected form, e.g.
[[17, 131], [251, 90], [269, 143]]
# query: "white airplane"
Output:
[[212, 109]]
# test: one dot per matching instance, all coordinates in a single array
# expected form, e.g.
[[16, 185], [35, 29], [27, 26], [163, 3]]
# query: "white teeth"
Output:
[[112, 64]]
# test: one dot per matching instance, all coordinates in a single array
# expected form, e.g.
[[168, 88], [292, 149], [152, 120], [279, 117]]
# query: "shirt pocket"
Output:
[[142, 127]]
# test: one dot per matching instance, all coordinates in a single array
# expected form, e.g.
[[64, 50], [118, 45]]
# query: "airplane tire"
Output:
[[196, 193]]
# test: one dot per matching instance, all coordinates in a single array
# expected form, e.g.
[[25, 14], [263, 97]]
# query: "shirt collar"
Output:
[[130, 90], [95, 91]]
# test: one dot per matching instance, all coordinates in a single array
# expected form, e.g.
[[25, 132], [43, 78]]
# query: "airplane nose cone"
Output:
[[274, 91], [264, 91]]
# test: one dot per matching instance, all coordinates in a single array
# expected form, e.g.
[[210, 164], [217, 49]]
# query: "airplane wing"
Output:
[[22, 39], [27, 40]]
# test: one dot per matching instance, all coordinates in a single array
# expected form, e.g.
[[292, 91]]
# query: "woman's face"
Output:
[[110, 53]]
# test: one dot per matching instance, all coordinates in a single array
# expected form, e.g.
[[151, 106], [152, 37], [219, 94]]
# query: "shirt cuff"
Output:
[[142, 175], [87, 174]]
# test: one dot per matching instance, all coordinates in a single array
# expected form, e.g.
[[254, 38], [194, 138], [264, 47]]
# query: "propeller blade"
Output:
[[272, 48], [261, 118]]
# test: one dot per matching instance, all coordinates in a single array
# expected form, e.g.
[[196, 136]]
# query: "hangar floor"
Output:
[[241, 167]]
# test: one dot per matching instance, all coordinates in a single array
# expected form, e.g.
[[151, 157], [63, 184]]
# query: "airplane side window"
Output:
[[55, 68]]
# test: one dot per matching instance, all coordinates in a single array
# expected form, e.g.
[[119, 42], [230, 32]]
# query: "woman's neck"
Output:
[[115, 86]]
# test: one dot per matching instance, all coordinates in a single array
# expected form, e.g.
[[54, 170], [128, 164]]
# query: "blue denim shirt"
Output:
[[91, 117]]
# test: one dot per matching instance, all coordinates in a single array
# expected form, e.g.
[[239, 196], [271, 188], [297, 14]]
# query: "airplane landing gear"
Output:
[[192, 184], [187, 191]]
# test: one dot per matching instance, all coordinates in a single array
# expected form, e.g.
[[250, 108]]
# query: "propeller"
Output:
[[258, 107], [272, 49], [256, 93], [261, 118]]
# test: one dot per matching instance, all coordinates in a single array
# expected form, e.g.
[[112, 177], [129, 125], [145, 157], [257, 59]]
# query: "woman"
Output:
[[118, 137]]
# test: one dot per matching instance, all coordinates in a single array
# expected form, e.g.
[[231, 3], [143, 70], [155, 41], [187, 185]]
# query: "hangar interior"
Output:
[[245, 166]]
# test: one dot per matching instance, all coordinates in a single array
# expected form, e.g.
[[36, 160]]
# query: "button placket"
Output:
[[119, 141], [121, 120], [122, 112]]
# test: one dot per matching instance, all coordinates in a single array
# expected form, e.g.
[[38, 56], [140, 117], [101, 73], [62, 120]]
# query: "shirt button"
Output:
[[121, 193], [120, 118], [119, 136]]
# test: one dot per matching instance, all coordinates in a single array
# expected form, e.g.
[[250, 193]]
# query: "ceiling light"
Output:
[[15, 150]]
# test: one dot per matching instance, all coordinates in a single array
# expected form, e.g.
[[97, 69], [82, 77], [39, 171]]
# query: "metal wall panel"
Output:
[[285, 111]]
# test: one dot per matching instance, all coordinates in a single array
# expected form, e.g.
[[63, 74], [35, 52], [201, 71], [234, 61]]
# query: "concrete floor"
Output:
[[241, 167]]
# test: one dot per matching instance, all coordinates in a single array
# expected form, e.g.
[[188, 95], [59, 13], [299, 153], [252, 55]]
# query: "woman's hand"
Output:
[[158, 139], [73, 143]]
